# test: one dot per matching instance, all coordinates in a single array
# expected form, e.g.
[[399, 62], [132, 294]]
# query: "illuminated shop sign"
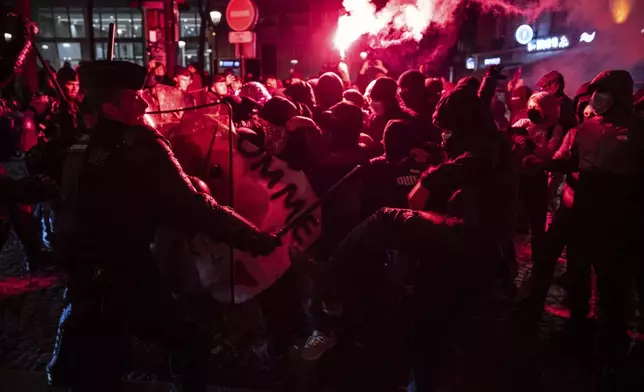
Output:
[[492, 61], [587, 37], [470, 63], [524, 34], [550, 43]]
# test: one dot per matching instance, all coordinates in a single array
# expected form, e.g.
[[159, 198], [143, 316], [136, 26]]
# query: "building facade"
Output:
[[64, 27]]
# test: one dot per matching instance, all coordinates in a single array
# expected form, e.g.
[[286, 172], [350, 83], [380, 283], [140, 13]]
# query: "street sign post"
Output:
[[241, 15], [241, 37]]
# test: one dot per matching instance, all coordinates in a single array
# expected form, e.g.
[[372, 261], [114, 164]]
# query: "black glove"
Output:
[[264, 244]]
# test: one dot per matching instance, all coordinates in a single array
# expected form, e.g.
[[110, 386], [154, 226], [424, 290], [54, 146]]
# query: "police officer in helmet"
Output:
[[127, 183]]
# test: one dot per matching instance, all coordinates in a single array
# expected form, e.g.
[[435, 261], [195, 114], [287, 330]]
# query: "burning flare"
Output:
[[405, 20], [398, 21]]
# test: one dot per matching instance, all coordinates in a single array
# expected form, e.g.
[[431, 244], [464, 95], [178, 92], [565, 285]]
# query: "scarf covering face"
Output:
[[275, 137]]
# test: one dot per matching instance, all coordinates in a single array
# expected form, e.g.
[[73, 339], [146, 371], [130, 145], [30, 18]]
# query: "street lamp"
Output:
[[215, 18], [182, 47]]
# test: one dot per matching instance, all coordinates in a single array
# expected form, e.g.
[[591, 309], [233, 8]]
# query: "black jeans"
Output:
[[456, 267], [561, 235], [101, 314], [533, 196]]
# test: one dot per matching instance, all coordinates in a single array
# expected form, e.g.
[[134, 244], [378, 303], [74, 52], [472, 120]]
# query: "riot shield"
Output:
[[265, 191]]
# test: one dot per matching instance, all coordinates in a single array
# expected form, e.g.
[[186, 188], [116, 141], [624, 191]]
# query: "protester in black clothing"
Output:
[[608, 209], [553, 82], [473, 225], [389, 178]]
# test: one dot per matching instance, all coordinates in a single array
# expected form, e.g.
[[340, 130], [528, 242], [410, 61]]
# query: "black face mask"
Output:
[[535, 116]]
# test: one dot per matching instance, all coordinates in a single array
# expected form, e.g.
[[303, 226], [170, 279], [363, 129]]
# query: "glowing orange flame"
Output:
[[398, 21], [620, 9]]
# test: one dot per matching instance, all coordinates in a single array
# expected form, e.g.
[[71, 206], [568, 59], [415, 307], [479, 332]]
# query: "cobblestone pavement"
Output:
[[29, 310]]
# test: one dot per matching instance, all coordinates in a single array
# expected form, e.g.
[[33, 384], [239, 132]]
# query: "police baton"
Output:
[[300, 218]]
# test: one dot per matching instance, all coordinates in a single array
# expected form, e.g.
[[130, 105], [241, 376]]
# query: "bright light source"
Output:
[[182, 44], [294, 62], [66, 45], [470, 63], [492, 61], [209, 50], [119, 31], [7, 37], [44, 47], [189, 56], [364, 55], [588, 38], [620, 9], [215, 17], [524, 34]]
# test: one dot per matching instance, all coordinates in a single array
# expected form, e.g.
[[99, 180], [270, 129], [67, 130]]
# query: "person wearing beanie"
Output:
[[327, 93], [390, 177], [274, 116], [382, 95], [553, 82], [415, 97], [301, 93]]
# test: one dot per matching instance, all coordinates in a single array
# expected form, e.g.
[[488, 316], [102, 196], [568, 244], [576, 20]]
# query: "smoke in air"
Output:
[[405, 20]]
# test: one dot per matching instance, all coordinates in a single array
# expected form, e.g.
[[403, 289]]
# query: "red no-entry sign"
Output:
[[241, 15]]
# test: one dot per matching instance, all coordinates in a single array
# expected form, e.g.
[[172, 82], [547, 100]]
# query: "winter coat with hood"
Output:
[[543, 128], [481, 173], [553, 82], [328, 92], [608, 151]]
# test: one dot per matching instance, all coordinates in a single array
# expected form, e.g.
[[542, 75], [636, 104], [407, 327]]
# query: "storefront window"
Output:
[[48, 51], [189, 24], [124, 24], [77, 22], [61, 23], [45, 22], [107, 17], [70, 52], [101, 49]]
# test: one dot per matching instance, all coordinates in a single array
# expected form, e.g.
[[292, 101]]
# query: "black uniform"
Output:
[[115, 191]]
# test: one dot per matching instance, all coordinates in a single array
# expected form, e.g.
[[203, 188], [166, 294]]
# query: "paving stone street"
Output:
[[30, 307]]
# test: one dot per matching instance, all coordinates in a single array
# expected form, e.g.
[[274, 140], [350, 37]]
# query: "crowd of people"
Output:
[[449, 174]]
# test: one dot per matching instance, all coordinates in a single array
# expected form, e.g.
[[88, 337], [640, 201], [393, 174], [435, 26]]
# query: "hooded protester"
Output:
[[327, 93], [391, 177], [274, 116], [382, 95], [480, 182], [553, 82], [434, 91], [543, 123], [302, 94], [537, 191], [355, 98], [518, 105], [581, 102], [608, 204], [414, 96]]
